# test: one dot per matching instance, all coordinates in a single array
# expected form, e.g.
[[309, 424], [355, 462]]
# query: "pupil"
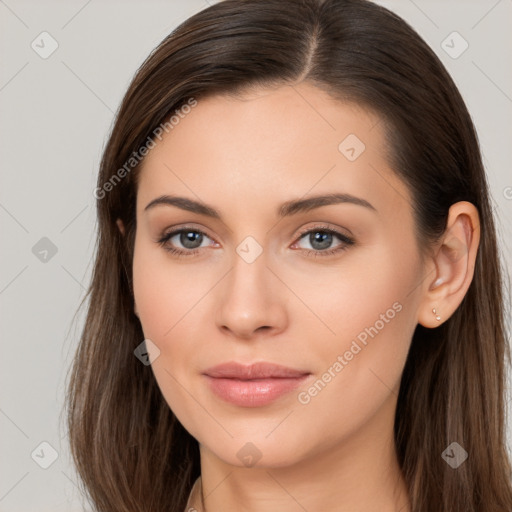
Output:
[[189, 238], [324, 239]]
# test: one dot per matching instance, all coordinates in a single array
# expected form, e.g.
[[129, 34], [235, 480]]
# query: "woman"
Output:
[[296, 302]]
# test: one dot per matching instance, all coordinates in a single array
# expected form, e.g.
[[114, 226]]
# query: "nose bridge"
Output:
[[248, 262], [248, 279], [249, 299]]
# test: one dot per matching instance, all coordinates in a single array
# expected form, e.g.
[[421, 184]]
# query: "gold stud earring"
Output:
[[438, 318]]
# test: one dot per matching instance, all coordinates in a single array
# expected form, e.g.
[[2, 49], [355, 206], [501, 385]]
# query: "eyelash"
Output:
[[346, 242]]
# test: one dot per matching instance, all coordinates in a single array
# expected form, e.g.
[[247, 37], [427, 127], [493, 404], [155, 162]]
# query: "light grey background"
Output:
[[55, 117]]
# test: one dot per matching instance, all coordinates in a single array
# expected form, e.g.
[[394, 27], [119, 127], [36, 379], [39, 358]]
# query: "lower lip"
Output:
[[253, 393]]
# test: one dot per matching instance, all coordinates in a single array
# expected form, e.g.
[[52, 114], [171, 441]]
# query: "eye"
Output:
[[184, 241], [321, 240], [188, 241]]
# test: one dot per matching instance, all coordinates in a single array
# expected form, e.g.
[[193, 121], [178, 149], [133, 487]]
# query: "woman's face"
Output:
[[328, 289]]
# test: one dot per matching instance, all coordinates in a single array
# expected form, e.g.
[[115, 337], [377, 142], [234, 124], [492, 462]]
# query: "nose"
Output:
[[251, 300]]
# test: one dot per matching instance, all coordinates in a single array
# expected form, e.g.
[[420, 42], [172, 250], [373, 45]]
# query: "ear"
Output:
[[453, 265], [120, 225]]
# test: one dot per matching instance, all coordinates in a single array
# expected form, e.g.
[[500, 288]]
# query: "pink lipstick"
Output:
[[253, 385]]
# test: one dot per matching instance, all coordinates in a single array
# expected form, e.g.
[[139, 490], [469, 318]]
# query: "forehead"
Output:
[[272, 144]]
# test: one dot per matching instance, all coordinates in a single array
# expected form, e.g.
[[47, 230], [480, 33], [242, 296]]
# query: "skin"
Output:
[[245, 157]]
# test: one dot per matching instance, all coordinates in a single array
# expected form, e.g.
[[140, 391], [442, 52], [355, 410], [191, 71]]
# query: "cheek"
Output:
[[165, 299], [154, 306], [371, 312], [363, 290], [171, 301], [164, 293]]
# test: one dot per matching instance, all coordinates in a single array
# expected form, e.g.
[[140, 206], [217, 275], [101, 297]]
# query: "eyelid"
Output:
[[325, 226], [179, 228]]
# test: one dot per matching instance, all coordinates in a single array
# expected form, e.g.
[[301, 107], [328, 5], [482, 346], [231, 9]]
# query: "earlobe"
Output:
[[120, 225], [454, 264]]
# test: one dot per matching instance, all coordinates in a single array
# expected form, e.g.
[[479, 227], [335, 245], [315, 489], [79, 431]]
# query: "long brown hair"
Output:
[[130, 450]]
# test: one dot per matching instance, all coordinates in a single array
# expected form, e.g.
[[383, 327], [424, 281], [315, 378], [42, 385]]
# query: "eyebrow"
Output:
[[288, 208]]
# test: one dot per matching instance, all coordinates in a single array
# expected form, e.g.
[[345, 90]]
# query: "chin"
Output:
[[258, 452]]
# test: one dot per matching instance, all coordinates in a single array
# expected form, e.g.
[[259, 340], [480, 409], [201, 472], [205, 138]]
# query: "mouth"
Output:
[[253, 385]]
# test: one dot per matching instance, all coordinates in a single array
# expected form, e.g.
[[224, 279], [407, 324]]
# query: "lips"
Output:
[[254, 371], [253, 385]]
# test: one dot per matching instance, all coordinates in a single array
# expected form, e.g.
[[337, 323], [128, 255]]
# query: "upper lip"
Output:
[[262, 370]]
